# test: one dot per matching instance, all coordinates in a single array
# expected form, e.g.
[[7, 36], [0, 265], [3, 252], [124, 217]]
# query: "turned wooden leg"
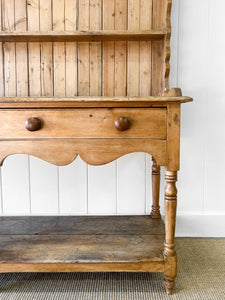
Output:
[[155, 214], [170, 221]]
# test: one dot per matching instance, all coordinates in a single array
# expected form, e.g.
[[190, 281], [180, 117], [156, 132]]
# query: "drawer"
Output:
[[83, 123]]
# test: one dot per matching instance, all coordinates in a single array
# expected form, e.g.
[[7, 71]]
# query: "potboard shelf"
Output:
[[81, 36], [77, 243]]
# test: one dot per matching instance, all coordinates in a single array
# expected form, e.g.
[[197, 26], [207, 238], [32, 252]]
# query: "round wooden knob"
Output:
[[122, 124], [33, 124]]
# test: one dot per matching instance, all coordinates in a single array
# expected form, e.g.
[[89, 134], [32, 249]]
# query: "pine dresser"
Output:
[[90, 78]]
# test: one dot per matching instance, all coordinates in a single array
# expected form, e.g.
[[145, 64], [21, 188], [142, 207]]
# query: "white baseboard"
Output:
[[189, 225]]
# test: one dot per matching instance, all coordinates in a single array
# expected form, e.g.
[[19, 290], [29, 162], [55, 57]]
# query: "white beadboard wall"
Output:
[[30, 186]]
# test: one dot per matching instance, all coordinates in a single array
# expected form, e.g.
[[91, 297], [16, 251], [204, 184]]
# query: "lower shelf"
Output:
[[81, 244]]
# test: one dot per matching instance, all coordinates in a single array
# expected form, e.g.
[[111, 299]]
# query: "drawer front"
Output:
[[83, 123]]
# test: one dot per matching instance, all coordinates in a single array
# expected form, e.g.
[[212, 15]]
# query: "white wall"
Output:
[[30, 186]]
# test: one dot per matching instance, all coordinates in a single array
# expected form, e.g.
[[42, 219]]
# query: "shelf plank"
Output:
[[81, 36], [89, 101], [81, 248], [81, 243]]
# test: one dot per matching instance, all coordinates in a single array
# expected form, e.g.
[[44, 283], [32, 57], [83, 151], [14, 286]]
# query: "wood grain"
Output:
[[46, 50], [81, 35], [95, 49], [84, 123], [21, 50], [9, 50], [13, 102], [71, 48], [173, 137], [34, 57], [63, 152], [83, 51], [158, 47], [109, 49], [133, 75], [138, 22], [81, 248], [145, 49], [121, 49], [155, 213], [170, 223], [108, 243], [59, 50], [83, 267]]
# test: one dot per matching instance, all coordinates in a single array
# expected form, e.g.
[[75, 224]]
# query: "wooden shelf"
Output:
[[79, 243], [80, 101], [80, 36]]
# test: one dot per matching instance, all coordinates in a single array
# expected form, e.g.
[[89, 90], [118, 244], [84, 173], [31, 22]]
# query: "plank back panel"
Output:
[[110, 68]]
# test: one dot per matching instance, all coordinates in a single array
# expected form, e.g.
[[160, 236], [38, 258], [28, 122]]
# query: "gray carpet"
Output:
[[201, 275]]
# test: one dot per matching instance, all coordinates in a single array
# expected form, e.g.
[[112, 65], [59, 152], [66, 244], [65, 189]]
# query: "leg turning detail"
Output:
[[170, 221], [155, 214]]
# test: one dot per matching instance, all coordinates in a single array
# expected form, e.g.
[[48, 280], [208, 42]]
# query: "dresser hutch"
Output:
[[90, 78]]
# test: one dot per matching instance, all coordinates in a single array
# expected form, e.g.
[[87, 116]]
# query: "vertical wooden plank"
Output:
[[95, 49], [21, 50], [133, 49], [121, 50], [8, 13], [131, 184], [9, 51], [145, 49], [109, 49], [71, 48], [46, 49], [159, 14], [157, 73], [83, 51], [34, 49], [158, 22], [9, 69], [59, 50]]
